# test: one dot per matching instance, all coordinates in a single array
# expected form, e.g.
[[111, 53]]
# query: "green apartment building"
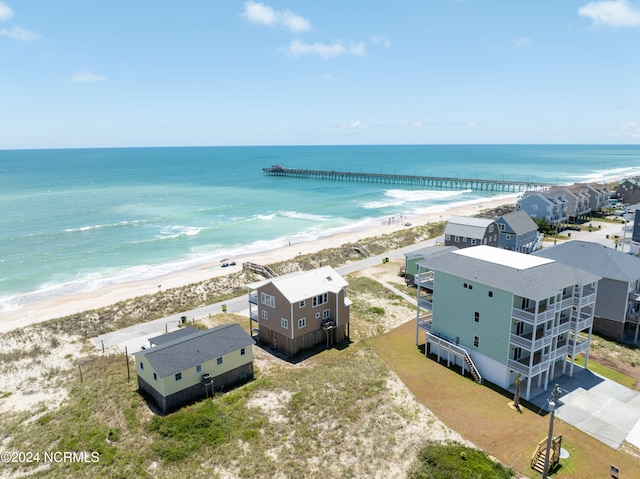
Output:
[[499, 313]]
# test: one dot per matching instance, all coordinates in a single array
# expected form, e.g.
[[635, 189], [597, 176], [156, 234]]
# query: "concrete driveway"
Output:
[[597, 406]]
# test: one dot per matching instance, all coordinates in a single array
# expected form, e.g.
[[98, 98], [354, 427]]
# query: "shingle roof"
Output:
[[467, 227], [535, 281], [190, 350], [429, 251], [596, 258], [519, 222], [179, 333], [305, 284]]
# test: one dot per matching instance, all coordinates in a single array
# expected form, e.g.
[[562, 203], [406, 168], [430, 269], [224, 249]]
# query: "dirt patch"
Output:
[[617, 365]]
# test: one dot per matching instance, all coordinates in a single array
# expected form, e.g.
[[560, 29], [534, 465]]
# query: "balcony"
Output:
[[581, 345], [253, 315], [426, 302], [425, 280], [424, 322], [527, 341], [522, 365], [583, 322], [523, 315], [253, 297]]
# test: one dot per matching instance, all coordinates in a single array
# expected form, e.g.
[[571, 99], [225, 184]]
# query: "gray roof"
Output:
[[429, 251], [467, 227], [536, 280], [179, 333], [519, 222], [193, 349], [596, 258]]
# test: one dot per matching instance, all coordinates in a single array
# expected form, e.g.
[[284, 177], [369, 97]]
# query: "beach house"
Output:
[[544, 205], [518, 232], [599, 195], [465, 231], [576, 200], [190, 364], [499, 313], [617, 309], [297, 311]]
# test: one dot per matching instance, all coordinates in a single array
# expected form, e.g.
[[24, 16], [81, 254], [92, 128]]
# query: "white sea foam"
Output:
[[176, 231], [398, 197], [304, 216]]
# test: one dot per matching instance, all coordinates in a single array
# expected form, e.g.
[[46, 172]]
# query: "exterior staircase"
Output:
[[539, 455], [472, 368]]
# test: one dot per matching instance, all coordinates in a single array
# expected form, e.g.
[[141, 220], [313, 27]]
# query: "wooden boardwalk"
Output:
[[411, 180]]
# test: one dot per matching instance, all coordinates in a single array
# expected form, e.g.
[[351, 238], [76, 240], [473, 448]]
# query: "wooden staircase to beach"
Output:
[[473, 368], [260, 269], [539, 455], [361, 250]]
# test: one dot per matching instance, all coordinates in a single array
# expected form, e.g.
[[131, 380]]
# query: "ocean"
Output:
[[77, 220]]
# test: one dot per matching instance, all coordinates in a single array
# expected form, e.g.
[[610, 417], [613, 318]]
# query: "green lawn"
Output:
[[608, 373]]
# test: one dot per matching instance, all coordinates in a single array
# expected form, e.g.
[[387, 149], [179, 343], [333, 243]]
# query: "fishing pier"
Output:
[[410, 180]]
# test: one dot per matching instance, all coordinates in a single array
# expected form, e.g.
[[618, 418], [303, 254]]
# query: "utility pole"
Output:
[[552, 407]]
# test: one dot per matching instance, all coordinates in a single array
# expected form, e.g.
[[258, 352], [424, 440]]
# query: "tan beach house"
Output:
[[190, 364], [300, 310]]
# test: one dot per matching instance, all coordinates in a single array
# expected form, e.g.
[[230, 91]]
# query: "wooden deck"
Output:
[[410, 180]]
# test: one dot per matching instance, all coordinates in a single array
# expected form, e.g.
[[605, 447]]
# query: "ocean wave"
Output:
[[102, 226], [612, 174], [398, 197], [177, 231], [304, 216]]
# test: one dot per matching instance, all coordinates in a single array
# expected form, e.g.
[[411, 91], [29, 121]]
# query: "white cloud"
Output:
[[20, 34], [298, 48], [381, 40], [5, 12], [263, 14], [87, 77], [523, 42], [630, 129], [613, 13], [356, 124]]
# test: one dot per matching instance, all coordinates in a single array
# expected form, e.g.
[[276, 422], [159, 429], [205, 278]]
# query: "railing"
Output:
[[424, 279], [253, 298], [523, 315], [425, 324], [524, 368]]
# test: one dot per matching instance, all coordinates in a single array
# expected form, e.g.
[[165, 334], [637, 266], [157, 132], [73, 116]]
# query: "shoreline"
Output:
[[61, 306]]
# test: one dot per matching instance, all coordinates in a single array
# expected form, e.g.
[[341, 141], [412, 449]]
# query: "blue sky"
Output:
[[220, 72]]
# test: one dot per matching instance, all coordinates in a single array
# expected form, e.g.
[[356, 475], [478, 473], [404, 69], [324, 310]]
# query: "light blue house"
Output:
[[518, 232], [500, 313], [544, 205]]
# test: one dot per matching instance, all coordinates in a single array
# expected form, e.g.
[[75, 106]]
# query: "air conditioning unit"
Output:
[[206, 378]]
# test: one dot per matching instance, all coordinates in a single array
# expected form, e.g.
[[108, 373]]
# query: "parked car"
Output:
[[573, 228]]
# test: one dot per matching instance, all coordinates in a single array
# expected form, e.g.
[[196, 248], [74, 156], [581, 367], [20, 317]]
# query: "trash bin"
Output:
[[183, 319]]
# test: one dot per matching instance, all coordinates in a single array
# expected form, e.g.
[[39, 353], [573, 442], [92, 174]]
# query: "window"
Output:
[[301, 304], [457, 240], [476, 317], [243, 351], [317, 315], [466, 285], [320, 299], [155, 377], [490, 293], [501, 227], [535, 207], [470, 286], [447, 237], [199, 368], [141, 365], [326, 314], [284, 322], [508, 237], [476, 341], [268, 300], [178, 376], [464, 240], [473, 241], [302, 323], [219, 361], [491, 228], [265, 314]]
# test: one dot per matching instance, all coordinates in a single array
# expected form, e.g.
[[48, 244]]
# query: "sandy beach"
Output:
[[66, 305]]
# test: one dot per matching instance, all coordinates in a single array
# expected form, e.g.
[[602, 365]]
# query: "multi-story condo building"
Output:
[[617, 313], [577, 201], [501, 313]]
